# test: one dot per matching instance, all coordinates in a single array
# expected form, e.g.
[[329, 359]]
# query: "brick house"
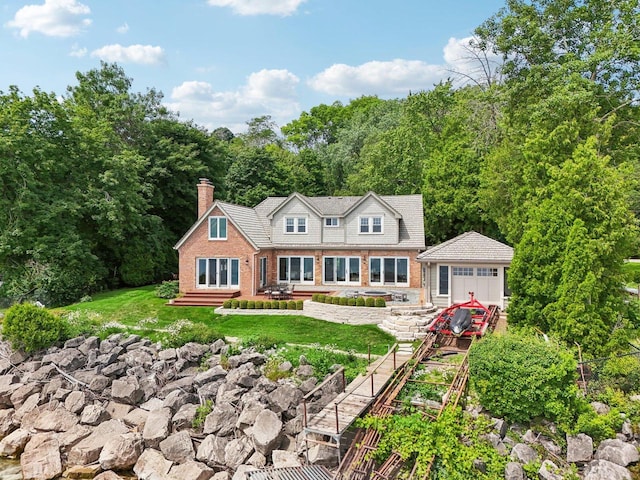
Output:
[[312, 243]]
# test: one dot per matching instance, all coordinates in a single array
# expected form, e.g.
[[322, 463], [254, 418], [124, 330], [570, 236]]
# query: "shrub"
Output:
[[360, 302], [243, 304], [235, 303], [201, 414], [259, 304], [291, 305], [32, 328], [267, 305], [299, 304], [328, 299], [272, 371], [314, 297], [336, 300], [370, 302], [343, 300], [599, 427], [168, 289], [251, 304], [261, 343], [320, 298], [226, 304], [351, 302], [275, 304], [380, 302], [283, 304], [193, 332], [522, 377]]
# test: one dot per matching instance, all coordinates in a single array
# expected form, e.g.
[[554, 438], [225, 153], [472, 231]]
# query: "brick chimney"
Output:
[[205, 195]]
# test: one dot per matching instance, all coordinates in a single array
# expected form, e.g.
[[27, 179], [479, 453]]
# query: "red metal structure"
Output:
[[464, 319]]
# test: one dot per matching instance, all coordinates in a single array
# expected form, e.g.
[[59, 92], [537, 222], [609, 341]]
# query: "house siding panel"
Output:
[[371, 207], [295, 208]]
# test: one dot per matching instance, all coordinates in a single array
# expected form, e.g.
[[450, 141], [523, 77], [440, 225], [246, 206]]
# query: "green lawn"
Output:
[[139, 309]]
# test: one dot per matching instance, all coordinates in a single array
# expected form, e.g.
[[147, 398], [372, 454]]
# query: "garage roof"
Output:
[[468, 247]]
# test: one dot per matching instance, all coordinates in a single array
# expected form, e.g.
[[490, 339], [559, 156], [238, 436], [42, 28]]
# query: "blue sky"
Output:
[[224, 62]]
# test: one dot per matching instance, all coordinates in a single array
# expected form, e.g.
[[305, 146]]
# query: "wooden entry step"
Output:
[[204, 298]]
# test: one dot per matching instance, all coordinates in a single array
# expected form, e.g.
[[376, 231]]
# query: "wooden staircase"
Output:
[[208, 298]]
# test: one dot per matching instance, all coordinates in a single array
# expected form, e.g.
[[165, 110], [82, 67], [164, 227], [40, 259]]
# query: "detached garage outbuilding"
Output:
[[470, 262]]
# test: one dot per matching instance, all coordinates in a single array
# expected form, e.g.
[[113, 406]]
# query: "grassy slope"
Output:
[[131, 306]]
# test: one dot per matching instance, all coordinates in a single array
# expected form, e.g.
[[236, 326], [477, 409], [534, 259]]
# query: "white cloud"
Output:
[[141, 54], [395, 77], [124, 28], [267, 92], [77, 51], [463, 61], [259, 7], [54, 18], [399, 76]]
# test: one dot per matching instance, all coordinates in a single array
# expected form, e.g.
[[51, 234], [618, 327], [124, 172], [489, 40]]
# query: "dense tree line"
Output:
[[540, 151]]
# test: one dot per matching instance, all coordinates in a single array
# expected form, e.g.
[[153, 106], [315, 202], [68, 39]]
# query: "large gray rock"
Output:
[[221, 420], [211, 375], [285, 459], [7, 423], [237, 452], [617, 451], [23, 392], [27, 406], [136, 418], [247, 357], [93, 414], [13, 444], [184, 417], [88, 449], [192, 352], [57, 420], [549, 471], [514, 471], [523, 453], [152, 465], [157, 427], [127, 390], [71, 437], [71, 359], [320, 454], [267, 432], [605, 470], [579, 448], [121, 452], [192, 470], [41, 458], [284, 398], [178, 447], [117, 410], [75, 401], [177, 399], [212, 450]]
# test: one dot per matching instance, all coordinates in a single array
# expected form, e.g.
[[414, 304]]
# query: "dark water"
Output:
[[10, 469]]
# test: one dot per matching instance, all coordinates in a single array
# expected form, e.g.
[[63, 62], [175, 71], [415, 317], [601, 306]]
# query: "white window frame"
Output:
[[369, 222], [331, 222], [486, 272], [299, 225], [347, 267], [382, 271], [462, 272], [231, 263], [226, 227], [302, 258]]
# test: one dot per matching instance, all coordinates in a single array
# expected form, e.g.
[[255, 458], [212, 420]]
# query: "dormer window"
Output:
[[295, 225], [371, 224], [217, 228], [332, 222]]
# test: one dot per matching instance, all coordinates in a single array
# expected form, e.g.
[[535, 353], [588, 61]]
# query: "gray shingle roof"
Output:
[[255, 225], [469, 247]]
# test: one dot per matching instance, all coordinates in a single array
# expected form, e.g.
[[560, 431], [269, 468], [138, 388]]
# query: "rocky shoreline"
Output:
[[124, 408], [124, 404]]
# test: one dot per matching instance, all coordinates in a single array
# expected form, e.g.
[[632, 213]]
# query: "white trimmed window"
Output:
[[443, 279], [295, 269], [462, 271], [218, 272], [389, 271], [486, 272], [295, 225], [217, 228], [332, 222], [371, 224], [341, 270]]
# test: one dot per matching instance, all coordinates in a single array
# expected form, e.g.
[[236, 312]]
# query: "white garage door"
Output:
[[483, 281]]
